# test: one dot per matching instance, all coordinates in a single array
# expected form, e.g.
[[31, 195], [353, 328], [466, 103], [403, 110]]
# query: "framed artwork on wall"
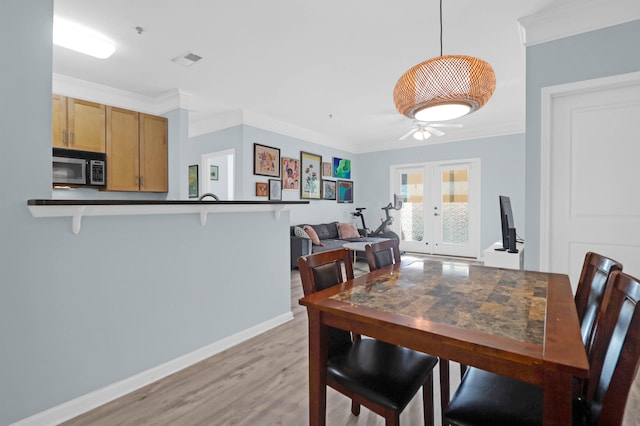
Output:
[[341, 168], [328, 189], [275, 189], [266, 160], [344, 191], [262, 189], [290, 173], [213, 173], [326, 170], [310, 164], [193, 181]]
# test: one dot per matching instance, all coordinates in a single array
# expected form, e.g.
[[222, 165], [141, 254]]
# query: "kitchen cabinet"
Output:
[[137, 151], [78, 124]]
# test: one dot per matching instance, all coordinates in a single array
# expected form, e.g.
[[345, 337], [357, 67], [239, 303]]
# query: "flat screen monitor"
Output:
[[508, 225]]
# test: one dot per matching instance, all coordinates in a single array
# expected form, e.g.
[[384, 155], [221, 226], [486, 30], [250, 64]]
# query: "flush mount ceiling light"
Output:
[[445, 87], [81, 39]]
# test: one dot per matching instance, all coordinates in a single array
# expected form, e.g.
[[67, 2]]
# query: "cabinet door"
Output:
[[59, 135], [122, 150], [86, 122], [153, 153]]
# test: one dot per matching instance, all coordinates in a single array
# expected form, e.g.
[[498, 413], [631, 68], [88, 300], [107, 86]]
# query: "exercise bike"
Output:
[[384, 230]]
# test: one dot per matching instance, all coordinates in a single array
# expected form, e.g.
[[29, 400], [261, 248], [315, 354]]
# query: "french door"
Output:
[[441, 210]]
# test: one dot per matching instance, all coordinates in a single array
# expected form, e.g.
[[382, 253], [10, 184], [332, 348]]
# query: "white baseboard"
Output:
[[84, 403]]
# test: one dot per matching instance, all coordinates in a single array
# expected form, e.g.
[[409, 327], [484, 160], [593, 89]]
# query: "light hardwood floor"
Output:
[[262, 381]]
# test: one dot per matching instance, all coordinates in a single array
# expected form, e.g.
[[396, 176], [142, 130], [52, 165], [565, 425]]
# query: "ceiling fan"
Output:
[[422, 130]]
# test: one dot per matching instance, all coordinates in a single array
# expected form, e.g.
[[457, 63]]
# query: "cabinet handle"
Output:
[[142, 178], [137, 180], [64, 136], [71, 142]]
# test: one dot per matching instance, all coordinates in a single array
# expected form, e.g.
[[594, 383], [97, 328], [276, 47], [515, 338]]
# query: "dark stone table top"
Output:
[[502, 302]]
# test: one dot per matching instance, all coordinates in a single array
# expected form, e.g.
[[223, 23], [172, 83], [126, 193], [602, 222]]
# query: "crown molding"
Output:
[[575, 18], [73, 87]]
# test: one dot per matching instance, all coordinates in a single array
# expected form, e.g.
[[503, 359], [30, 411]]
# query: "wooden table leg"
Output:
[[556, 399], [317, 369]]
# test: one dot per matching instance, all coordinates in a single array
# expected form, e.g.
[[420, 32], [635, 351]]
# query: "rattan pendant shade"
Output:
[[444, 88]]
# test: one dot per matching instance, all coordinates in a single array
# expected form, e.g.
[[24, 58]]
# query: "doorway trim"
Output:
[[230, 154]]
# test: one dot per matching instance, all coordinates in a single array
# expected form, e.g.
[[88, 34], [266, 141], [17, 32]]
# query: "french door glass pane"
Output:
[[455, 206], [412, 213]]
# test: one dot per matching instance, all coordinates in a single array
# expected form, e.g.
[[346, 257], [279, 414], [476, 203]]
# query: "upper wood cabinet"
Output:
[[78, 124], [137, 151]]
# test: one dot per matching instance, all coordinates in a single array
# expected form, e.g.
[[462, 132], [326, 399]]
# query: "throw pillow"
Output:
[[348, 230], [312, 234], [299, 232]]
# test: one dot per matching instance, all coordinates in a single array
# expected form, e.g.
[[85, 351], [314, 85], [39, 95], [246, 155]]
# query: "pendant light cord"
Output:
[[440, 27]]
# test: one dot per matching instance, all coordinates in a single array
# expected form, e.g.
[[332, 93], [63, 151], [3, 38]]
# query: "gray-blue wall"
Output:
[[607, 52]]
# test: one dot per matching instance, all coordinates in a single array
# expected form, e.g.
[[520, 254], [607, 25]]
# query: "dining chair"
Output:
[[382, 377], [591, 287], [484, 398], [382, 253]]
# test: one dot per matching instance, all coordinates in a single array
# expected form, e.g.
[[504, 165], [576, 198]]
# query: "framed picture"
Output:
[[328, 189], [341, 168], [213, 173], [266, 160], [344, 191], [310, 164], [326, 170], [275, 189], [290, 173], [262, 189], [193, 181]]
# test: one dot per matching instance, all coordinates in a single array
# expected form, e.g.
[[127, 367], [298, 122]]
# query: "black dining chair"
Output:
[[591, 287], [382, 253], [484, 398], [382, 377]]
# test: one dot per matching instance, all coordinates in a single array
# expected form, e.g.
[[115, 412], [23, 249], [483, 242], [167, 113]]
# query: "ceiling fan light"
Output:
[[463, 81], [442, 112], [421, 135]]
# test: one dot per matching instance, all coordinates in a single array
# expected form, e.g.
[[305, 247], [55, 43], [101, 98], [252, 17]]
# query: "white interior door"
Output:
[[589, 194], [441, 210]]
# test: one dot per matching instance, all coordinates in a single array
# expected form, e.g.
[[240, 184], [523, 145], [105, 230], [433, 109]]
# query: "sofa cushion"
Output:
[[348, 230], [311, 232], [326, 231], [300, 233]]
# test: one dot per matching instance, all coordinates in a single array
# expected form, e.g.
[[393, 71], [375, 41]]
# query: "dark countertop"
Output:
[[50, 202]]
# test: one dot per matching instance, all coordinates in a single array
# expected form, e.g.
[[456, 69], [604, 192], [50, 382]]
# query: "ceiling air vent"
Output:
[[187, 59]]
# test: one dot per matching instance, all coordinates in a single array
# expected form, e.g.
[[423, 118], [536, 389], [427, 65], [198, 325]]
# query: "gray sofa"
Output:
[[329, 237]]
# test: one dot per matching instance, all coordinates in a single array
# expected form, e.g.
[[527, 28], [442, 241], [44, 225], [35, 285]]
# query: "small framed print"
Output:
[[328, 189], [262, 189], [193, 181], [310, 164], [341, 168], [290, 173], [266, 160], [213, 173], [344, 191], [275, 189], [326, 170]]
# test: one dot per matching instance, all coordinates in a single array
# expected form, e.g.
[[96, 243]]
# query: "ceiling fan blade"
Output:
[[436, 132], [409, 133], [445, 125]]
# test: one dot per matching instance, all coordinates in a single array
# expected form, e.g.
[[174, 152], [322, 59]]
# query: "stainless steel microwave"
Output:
[[79, 168]]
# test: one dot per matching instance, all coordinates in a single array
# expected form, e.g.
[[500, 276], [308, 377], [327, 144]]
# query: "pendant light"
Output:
[[445, 87]]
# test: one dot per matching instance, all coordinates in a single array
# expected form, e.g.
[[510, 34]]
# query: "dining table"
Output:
[[517, 323]]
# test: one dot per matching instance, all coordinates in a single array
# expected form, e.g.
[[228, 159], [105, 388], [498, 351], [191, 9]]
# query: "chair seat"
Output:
[[485, 398], [386, 374]]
